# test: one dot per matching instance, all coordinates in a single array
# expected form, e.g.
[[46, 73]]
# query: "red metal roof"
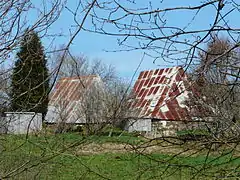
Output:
[[66, 98], [161, 94]]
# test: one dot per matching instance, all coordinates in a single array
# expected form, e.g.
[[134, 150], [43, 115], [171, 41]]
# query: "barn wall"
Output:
[[22, 122], [169, 128], [159, 128], [139, 125]]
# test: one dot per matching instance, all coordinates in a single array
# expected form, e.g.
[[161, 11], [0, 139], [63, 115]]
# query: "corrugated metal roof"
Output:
[[65, 100], [161, 94]]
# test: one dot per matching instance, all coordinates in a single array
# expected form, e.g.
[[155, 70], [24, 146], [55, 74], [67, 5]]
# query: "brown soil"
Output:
[[94, 148]]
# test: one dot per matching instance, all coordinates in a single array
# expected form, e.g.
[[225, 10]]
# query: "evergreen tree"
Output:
[[30, 84]]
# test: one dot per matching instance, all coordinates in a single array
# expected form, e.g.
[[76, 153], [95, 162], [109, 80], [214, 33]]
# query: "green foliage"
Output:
[[112, 131], [30, 84], [193, 132]]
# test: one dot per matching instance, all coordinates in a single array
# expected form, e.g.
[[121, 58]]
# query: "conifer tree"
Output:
[[30, 84]]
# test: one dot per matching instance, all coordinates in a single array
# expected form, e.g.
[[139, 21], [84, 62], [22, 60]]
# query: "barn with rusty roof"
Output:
[[66, 100], [161, 97]]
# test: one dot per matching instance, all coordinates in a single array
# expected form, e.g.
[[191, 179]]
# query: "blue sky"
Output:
[[94, 46]]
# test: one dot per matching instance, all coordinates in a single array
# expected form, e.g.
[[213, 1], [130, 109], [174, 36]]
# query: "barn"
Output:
[[161, 97], [66, 102]]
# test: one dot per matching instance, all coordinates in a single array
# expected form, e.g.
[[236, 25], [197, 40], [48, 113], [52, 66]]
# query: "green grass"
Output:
[[48, 157], [193, 132]]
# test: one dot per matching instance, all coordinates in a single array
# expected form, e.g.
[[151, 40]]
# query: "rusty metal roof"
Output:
[[161, 94], [64, 101]]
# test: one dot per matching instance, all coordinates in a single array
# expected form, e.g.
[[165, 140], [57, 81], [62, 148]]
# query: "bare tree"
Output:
[[4, 89], [218, 86], [81, 65], [103, 102], [161, 31]]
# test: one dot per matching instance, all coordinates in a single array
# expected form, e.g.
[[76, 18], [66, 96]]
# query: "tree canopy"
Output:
[[30, 84]]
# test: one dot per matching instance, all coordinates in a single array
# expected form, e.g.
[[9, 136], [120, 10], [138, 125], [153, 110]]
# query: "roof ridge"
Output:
[[79, 77], [163, 68]]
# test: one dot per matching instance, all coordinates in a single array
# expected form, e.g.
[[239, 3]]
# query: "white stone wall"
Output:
[[139, 125]]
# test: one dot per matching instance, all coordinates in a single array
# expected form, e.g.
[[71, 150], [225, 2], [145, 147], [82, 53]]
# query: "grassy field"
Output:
[[71, 156]]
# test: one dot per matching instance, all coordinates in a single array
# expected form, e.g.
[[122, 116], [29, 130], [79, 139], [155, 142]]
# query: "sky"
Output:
[[95, 46]]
